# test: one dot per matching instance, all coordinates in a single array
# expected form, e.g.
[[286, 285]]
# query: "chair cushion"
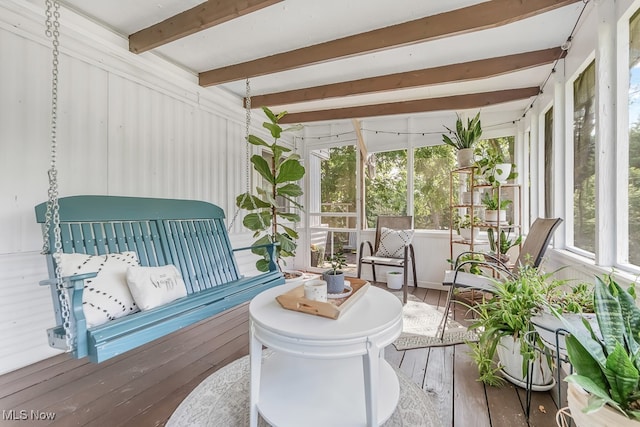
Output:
[[106, 296], [392, 242], [468, 280], [383, 260], [155, 286]]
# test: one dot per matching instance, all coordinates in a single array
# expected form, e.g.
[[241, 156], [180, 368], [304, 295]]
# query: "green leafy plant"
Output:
[[472, 268], [490, 201], [507, 313], [267, 219], [488, 161], [607, 366], [464, 137], [577, 299], [464, 221], [337, 261], [502, 245]]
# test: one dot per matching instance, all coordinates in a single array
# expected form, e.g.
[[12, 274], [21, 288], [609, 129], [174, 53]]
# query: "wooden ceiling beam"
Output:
[[456, 102], [472, 18], [472, 70], [201, 17]]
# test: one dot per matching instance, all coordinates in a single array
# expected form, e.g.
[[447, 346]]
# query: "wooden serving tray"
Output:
[[295, 300]]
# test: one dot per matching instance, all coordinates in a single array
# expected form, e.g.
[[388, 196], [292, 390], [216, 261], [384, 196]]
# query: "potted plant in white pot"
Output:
[[267, 218], [463, 225], [495, 211], [493, 165], [605, 388], [464, 139], [335, 277], [502, 322]]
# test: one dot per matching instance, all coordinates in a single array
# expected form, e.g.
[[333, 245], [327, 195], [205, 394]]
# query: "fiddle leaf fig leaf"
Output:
[[290, 170], [262, 167], [273, 128], [291, 189], [256, 140]]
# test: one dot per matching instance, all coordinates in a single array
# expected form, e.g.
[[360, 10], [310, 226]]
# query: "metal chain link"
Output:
[[52, 215], [247, 125]]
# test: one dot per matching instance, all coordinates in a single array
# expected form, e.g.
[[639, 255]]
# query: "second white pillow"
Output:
[[155, 286]]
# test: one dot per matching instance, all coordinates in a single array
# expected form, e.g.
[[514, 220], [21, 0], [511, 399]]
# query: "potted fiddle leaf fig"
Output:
[[267, 218], [464, 139]]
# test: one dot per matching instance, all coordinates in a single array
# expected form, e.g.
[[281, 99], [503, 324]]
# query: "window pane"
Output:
[[634, 139], [548, 163], [431, 186], [584, 171], [386, 185]]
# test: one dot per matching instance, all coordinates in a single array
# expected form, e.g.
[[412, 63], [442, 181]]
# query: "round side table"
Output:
[[323, 372]]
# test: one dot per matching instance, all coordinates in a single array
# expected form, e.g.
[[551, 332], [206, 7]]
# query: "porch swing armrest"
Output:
[[271, 249], [75, 281]]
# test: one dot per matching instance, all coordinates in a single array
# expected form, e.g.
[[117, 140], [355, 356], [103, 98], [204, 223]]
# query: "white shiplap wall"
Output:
[[128, 125]]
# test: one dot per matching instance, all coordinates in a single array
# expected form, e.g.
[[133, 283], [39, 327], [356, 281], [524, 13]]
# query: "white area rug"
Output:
[[222, 400], [420, 326]]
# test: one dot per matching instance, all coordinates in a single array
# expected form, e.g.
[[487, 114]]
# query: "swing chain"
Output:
[[247, 123], [52, 215]]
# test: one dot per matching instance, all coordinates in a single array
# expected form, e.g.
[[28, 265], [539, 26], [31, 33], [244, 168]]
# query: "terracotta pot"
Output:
[[604, 417]]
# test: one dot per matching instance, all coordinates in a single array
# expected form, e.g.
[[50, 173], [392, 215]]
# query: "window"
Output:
[[634, 140], [548, 163], [386, 185], [584, 167], [431, 186]]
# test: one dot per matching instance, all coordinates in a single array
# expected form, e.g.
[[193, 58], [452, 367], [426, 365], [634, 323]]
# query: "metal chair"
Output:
[[394, 223], [531, 254]]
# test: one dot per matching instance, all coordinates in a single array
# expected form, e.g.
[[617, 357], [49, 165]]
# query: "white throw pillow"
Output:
[[106, 296], [392, 242], [155, 286]]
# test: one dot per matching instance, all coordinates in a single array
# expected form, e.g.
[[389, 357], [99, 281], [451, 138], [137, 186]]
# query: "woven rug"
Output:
[[420, 326], [222, 400]]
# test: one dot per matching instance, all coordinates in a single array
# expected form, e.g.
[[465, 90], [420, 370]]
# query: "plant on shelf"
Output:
[[335, 277], [464, 138], [493, 164], [607, 364], [267, 219], [501, 246], [462, 224], [502, 322], [490, 202]]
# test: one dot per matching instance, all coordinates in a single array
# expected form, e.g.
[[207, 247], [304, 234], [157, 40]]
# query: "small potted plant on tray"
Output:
[[335, 277]]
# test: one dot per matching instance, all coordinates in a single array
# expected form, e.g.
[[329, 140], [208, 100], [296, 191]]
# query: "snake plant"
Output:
[[464, 137], [607, 365]]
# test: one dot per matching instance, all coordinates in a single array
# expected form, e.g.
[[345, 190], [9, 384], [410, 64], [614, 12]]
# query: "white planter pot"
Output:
[[299, 276], [491, 216], [509, 354], [465, 233], [465, 157], [395, 280], [502, 172], [603, 417], [546, 324]]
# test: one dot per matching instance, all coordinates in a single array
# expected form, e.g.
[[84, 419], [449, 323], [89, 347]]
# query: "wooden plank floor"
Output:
[[144, 386]]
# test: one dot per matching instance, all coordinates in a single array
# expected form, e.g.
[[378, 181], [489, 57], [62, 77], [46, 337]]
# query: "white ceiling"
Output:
[[294, 24]]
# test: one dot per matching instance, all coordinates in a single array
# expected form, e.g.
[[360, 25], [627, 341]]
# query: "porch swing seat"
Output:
[[188, 234]]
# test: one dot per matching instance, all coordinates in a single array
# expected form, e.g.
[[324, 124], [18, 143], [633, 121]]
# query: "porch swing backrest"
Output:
[[188, 234]]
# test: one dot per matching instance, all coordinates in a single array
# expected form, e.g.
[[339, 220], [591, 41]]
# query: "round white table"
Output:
[[323, 372]]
